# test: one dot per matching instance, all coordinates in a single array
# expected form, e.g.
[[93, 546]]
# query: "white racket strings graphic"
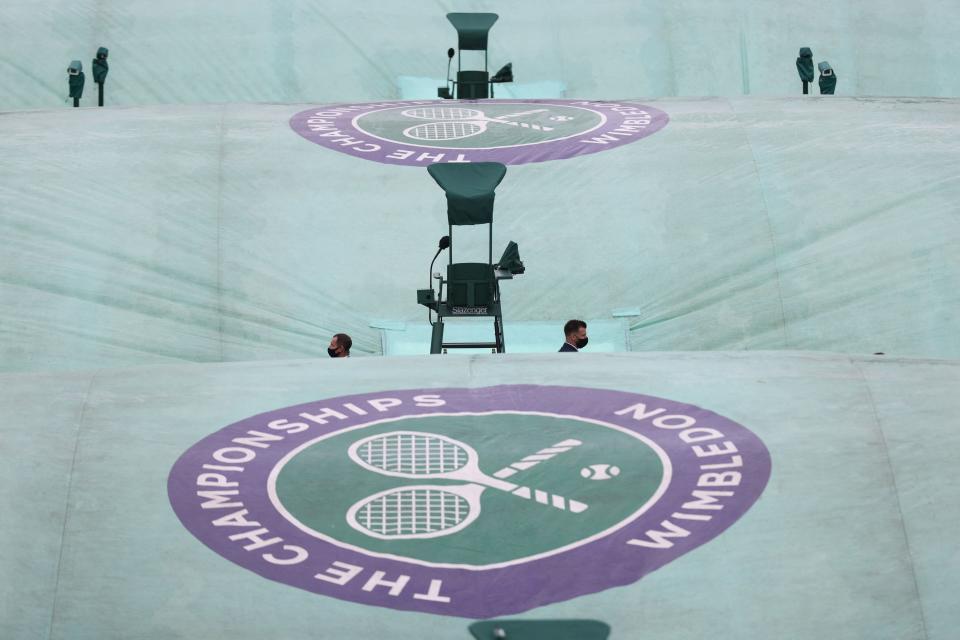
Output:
[[456, 123], [426, 511], [417, 511]]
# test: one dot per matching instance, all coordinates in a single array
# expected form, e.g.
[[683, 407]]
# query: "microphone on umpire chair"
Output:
[[428, 297], [444, 244], [444, 92]]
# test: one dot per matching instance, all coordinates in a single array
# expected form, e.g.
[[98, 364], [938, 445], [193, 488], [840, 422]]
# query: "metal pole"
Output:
[[486, 69], [805, 89], [490, 246], [76, 102], [100, 90]]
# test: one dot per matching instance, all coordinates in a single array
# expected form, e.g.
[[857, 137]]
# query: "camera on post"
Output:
[[75, 80], [100, 70], [805, 68], [828, 79], [100, 66]]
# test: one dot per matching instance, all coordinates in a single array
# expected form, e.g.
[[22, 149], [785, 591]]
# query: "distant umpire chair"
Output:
[[473, 31], [472, 288]]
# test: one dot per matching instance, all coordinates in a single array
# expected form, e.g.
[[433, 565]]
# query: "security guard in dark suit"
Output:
[[576, 336]]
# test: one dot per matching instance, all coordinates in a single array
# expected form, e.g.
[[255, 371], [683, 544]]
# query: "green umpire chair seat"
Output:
[[470, 284], [473, 85]]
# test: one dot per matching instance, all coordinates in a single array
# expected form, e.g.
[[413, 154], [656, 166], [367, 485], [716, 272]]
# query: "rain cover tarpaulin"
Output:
[[209, 233], [115, 511]]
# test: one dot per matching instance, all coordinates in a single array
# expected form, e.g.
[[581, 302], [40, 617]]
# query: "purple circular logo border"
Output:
[[612, 560], [334, 127]]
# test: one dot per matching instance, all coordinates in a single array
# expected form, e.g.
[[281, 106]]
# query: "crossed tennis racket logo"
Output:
[[456, 123], [431, 510]]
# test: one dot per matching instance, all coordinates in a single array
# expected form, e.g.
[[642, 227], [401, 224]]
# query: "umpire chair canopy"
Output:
[[469, 188], [472, 29]]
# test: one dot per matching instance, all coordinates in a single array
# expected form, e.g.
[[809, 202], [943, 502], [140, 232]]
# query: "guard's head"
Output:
[[576, 333], [574, 327], [340, 346]]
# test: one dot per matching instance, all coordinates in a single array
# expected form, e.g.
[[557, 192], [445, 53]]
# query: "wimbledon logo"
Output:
[[468, 502], [422, 132]]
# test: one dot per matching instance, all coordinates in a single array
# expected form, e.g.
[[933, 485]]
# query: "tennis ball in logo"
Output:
[[600, 472]]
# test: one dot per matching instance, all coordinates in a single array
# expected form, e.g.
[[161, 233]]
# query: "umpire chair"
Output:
[[470, 289]]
